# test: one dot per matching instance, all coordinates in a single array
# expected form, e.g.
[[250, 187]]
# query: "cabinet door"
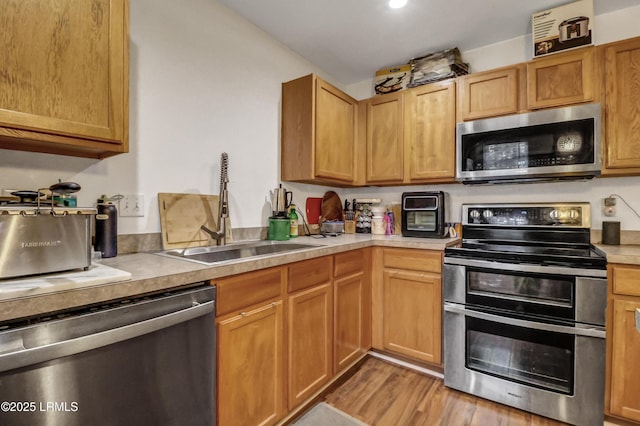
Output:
[[385, 139], [335, 134], [561, 79], [622, 119], [412, 313], [65, 68], [488, 94], [430, 129], [310, 342], [625, 370], [349, 317], [250, 367]]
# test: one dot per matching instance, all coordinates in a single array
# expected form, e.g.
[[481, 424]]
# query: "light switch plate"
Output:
[[131, 205]]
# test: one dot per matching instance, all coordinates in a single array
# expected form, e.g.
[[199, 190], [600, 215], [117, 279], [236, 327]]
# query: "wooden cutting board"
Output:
[[181, 216]]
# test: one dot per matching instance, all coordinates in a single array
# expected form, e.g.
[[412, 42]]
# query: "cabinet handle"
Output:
[[243, 314]]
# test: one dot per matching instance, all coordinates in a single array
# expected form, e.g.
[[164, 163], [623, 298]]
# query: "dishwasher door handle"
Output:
[[31, 356]]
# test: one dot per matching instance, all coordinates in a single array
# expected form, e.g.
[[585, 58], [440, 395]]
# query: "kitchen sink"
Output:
[[215, 254]]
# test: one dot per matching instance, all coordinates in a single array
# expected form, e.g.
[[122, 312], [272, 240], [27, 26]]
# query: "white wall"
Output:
[[204, 81], [608, 27]]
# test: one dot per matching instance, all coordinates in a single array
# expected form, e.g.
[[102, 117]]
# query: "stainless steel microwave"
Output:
[[553, 144], [423, 214]]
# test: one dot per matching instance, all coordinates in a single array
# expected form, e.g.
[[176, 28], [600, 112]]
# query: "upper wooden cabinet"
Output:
[[318, 132], [430, 137], [622, 107], [562, 79], [411, 136], [385, 139], [492, 93], [64, 76]]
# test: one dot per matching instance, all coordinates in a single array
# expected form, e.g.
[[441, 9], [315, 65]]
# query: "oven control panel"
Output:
[[566, 214]]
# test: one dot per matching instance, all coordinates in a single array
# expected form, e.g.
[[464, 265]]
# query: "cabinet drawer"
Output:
[[417, 260], [626, 280], [244, 290], [349, 262], [309, 273]]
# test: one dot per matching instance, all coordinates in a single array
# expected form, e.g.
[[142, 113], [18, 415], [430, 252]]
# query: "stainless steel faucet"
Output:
[[222, 234]]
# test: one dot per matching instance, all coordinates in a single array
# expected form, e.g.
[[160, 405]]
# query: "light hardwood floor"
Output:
[[381, 393]]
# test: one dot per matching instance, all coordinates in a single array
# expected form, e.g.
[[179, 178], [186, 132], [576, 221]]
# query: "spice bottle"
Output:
[[293, 217]]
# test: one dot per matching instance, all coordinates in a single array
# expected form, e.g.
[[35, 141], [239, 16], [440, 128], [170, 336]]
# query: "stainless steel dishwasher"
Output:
[[146, 361]]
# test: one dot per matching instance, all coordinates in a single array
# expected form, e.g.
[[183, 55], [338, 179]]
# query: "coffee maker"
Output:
[[279, 222]]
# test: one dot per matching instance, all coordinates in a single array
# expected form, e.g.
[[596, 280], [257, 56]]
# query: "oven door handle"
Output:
[[578, 330], [521, 267]]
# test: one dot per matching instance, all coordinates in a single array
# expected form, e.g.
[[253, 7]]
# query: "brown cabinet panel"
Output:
[[430, 133], [489, 94], [349, 314], [562, 79], [626, 280], [418, 260], [319, 131], [309, 273], [349, 262], [251, 367], [385, 139], [74, 99], [412, 312], [241, 291], [625, 370], [310, 320], [622, 114]]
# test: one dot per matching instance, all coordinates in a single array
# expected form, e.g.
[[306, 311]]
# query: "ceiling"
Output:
[[351, 39]]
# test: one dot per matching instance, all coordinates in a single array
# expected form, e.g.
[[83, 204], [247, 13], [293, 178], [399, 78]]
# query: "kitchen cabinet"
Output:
[[64, 77], [622, 107], [319, 131], [352, 307], [310, 328], [562, 79], [385, 139], [500, 91], [407, 303], [430, 139], [251, 357], [623, 343], [410, 136]]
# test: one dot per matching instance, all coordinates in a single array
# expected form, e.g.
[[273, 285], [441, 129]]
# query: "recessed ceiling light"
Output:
[[397, 4]]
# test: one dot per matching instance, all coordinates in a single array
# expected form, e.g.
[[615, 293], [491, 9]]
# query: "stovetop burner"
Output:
[[544, 234]]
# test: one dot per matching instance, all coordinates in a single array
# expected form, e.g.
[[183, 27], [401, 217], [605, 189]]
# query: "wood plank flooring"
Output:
[[381, 393]]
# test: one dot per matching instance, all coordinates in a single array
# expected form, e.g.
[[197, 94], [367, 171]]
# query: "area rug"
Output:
[[324, 414]]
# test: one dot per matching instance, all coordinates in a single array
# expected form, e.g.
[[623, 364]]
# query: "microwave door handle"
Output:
[[577, 331]]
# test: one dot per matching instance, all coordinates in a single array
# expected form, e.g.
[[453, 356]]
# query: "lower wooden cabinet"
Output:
[[349, 317], [412, 315], [310, 341], [407, 302], [251, 367], [623, 342]]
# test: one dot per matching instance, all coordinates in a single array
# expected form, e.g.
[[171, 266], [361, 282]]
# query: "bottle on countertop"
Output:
[[389, 224], [293, 216], [106, 227]]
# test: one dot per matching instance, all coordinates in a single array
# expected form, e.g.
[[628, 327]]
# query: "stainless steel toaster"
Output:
[[40, 240]]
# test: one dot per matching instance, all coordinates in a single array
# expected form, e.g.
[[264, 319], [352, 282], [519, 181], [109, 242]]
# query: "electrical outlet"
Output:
[[609, 206], [131, 205]]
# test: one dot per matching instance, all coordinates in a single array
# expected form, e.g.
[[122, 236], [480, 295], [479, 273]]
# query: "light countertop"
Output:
[[627, 254], [151, 273]]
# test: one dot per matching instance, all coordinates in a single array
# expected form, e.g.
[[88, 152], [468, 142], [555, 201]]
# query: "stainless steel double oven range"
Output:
[[525, 297]]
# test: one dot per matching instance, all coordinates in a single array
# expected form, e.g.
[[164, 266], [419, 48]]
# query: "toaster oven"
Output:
[[423, 214]]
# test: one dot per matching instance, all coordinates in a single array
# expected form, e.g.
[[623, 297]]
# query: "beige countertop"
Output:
[[151, 272], [628, 254]]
